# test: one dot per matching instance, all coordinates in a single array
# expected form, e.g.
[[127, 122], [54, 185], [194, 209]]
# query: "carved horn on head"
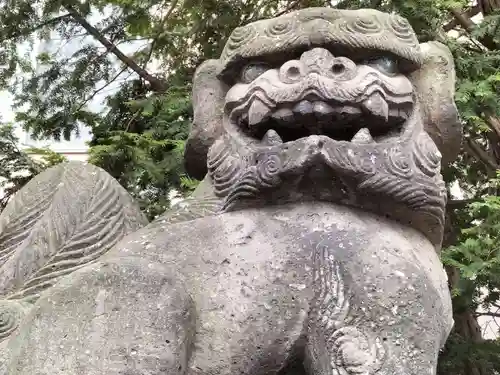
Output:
[[434, 84], [208, 101]]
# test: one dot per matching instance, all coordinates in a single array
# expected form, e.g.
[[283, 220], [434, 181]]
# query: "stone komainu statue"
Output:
[[310, 247]]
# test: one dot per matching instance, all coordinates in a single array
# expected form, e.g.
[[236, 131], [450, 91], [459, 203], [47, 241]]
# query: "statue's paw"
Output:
[[113, 317]]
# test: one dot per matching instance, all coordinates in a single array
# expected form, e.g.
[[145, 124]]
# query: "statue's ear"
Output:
[[208, 103], [434, 83]]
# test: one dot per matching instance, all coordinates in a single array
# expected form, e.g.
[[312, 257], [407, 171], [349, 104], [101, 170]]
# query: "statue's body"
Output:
[[310, 247]]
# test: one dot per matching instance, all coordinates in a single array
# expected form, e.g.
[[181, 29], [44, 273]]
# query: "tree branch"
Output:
[[288, 8], [475, 150], [156, 84], [475, 10], [494, 123], [94, 94], [161, 27], [488, 6], [32, 29], [468, 25], [462, 19], [494, 315], [459, 203]]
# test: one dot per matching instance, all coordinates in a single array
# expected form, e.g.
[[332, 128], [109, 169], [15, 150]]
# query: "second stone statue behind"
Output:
[[311, 245]]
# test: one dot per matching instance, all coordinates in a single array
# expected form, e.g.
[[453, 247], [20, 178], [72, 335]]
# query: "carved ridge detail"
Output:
[[23, 212], [11, 314], [363, 30], [247, 187], [406, 174], [336, 339], [189, 209], [427, 156], [70, 228]]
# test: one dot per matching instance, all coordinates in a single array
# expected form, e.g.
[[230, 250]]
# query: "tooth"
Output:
[[283, 114], [257, 112], [347, 109], [398, 113], [243, 119], [362, 136], [322, 109], [394, 113], [403, 114], [303, 108], [271, 138], [377, 106]]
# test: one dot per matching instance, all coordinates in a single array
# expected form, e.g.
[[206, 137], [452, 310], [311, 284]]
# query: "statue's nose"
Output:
[[319, 61]]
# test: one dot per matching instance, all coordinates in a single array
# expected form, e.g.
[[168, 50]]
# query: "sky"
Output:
[[76, 144], [7, 115]]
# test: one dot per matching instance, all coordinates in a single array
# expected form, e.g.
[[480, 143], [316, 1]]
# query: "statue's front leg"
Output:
[[378, 307]]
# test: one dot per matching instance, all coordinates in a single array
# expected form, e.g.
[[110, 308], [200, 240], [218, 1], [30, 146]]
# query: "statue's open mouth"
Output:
[[370, 120]]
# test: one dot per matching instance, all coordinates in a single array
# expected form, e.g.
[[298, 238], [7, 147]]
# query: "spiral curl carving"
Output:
[[10, 316], [268, 169], [402, 30], [240, 37], [354, 353], [362, 25], [399, 163], [280, 27], [365, 164]]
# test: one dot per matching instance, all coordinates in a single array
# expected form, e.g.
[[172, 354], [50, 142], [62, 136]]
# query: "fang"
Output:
[[362, 136]]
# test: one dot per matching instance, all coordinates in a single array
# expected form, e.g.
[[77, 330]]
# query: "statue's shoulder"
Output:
[[189, 209]]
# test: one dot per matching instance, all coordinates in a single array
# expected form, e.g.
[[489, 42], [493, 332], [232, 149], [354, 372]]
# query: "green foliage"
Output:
[[16, 165], [458, 348], [140, 142], [48, 158], [139, 135], [477, 255], [16, 168]]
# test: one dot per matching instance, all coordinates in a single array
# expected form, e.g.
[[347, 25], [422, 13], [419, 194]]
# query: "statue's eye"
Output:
[[252, 71], [386, 65]]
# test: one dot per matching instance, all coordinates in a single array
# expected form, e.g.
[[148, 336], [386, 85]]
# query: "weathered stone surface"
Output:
[[130, 318], [311, 245], [366, 292], [65, 218], [435, 88]]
